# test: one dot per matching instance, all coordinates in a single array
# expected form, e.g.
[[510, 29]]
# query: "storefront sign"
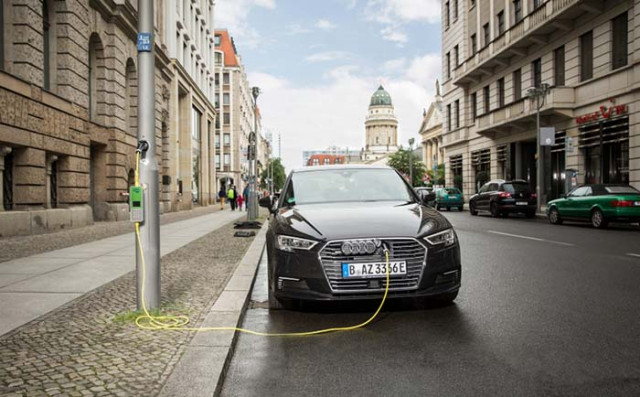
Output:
[[603, 113]]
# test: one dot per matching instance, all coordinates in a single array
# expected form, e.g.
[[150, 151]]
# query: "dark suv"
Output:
[[502, 198]]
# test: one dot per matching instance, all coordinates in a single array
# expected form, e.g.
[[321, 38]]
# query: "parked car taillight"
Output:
[[505, 194], [622, 203], [533, 195]]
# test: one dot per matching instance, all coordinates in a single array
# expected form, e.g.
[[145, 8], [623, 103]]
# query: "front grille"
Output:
[[409, 250]]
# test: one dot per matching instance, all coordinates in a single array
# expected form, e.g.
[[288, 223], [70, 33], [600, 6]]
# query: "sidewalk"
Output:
[[33, 286]]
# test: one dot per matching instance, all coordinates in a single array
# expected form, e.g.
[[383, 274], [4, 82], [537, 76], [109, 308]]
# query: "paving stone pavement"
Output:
[[78, 350]]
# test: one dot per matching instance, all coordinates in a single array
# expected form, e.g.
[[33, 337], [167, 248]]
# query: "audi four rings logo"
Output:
[[360, 247]]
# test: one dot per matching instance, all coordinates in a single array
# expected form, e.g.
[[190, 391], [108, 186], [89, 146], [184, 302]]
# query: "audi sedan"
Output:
[[330, 229]]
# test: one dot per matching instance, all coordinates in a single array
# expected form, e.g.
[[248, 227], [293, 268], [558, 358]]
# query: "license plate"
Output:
[[373, 270], [522, 203]]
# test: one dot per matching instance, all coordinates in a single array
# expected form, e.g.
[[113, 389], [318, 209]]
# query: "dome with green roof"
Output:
[[381, 98]]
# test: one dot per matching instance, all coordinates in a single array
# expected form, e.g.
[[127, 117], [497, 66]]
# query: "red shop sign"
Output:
[[603, 112]]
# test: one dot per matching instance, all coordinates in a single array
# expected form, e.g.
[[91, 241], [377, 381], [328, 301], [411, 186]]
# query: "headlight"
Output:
[[446, 237], [288, 243]]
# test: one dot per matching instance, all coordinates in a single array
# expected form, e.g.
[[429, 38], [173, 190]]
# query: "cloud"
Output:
[[331, 113], [325, 24], [327, 56], [399, 11], [296, 29], [393, 34], [233, 14]]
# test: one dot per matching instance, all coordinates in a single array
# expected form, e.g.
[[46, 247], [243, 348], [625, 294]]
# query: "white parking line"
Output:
[[634, 255], [531, 238]]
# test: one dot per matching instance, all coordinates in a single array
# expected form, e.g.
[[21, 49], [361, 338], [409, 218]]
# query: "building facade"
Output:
[[188, 153], [431, 133], [325, 159], [350, 156], [585, 52], [381, 127], [234, 101]]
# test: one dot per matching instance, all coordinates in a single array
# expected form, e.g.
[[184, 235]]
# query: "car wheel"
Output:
[[597, 219], [554, 216], [461, 208], [495, 211], [445, 299], [472, 209]]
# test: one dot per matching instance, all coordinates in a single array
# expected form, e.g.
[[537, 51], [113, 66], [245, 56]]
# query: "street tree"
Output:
[[279, 175], [400, 161]]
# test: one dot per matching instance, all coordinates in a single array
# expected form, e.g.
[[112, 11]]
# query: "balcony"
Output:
[[520, 115], [535, 28]]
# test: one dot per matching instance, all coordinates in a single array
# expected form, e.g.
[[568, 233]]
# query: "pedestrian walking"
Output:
[[221, 197], [231, 196], [246, 198], [240, 200]]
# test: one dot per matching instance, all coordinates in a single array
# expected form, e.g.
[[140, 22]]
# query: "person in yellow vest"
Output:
[[231, 196]]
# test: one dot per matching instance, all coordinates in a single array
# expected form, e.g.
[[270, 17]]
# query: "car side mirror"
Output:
[[267, 202], [428, 198]]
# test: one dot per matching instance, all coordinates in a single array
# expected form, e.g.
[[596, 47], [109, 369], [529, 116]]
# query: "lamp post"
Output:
[[538, 94], [411, 141], [252, 214]]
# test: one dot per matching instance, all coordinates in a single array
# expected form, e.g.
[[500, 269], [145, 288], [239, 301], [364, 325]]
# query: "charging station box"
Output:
[[136, 199]]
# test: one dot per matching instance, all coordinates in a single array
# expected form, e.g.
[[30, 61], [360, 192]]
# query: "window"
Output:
[[501, 92], [217, 161], [558, 66], [474, 44], [487, 34], [217, 140], [216, 40], [327, 161], [500, 21], [517, 10], [517, 85], [456, 112], [227, 159], [226, 118], [226, 139], [537, 3], [95, 54], [536, 73], [225, 78], [455, 56], [449, 117], [217, 100], [448, 64], [455, 10], [226, 99], [446, 15], [487, 99], [586, 56], [474, 106], [620, 41], [316, 162]]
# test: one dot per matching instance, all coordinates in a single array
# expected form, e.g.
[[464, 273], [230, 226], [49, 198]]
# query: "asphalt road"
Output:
[[543, 311]]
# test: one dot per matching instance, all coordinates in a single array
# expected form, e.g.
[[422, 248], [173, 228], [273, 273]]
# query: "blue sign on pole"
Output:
[[144, 42]]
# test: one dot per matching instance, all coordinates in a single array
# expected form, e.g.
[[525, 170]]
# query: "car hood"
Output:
[[360, 220]]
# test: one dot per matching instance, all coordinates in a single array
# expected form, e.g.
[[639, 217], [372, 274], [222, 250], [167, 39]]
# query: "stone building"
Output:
[[234, 102], [68, 126], [381, 127], [325, 159], [431, 133], [586, 54]]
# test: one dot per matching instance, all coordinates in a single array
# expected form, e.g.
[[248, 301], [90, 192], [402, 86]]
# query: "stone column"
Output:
[[428, 157], [4, 150], [436, 154], [47, 198]]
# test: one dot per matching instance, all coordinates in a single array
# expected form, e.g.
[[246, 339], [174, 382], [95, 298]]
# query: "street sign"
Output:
[[144, 42], [569, 145], [547, 136]]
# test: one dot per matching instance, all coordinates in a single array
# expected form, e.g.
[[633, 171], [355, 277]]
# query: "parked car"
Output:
[[449, 197], [329, 230], [598, 204], [427, 195], [502, 198]]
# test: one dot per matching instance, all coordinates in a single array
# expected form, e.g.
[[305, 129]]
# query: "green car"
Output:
[[598, 204], [449, 197]]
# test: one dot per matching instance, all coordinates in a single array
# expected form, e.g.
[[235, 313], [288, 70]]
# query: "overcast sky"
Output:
[[319, 61]]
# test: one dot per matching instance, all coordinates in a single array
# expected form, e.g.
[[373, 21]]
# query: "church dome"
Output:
[[381, 98]]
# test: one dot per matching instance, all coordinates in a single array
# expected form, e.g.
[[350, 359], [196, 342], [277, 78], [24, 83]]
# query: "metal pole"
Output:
[[252, 214], [150, 227], [411, 161], [539, 163]]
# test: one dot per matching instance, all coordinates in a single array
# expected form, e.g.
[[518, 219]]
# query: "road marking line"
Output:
[[531, 238], [632, 254]]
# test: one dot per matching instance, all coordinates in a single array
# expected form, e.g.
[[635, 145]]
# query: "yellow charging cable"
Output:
[[180, 322]]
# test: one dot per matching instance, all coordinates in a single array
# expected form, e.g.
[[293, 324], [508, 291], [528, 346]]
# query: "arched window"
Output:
[[131, 97], [96, 70]]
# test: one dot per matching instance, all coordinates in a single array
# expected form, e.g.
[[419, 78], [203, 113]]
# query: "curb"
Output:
[[202, 368]]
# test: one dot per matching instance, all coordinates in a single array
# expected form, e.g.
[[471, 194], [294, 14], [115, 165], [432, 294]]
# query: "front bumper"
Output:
[[303, 276]]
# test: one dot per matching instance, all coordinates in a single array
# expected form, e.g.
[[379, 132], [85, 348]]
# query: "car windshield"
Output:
[[621, 190], [516, 188], [452, 190], [347, 185]]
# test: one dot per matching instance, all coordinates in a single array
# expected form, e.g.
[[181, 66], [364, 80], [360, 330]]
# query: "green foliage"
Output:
[[400, 161], [439, 177], [279, 175]]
